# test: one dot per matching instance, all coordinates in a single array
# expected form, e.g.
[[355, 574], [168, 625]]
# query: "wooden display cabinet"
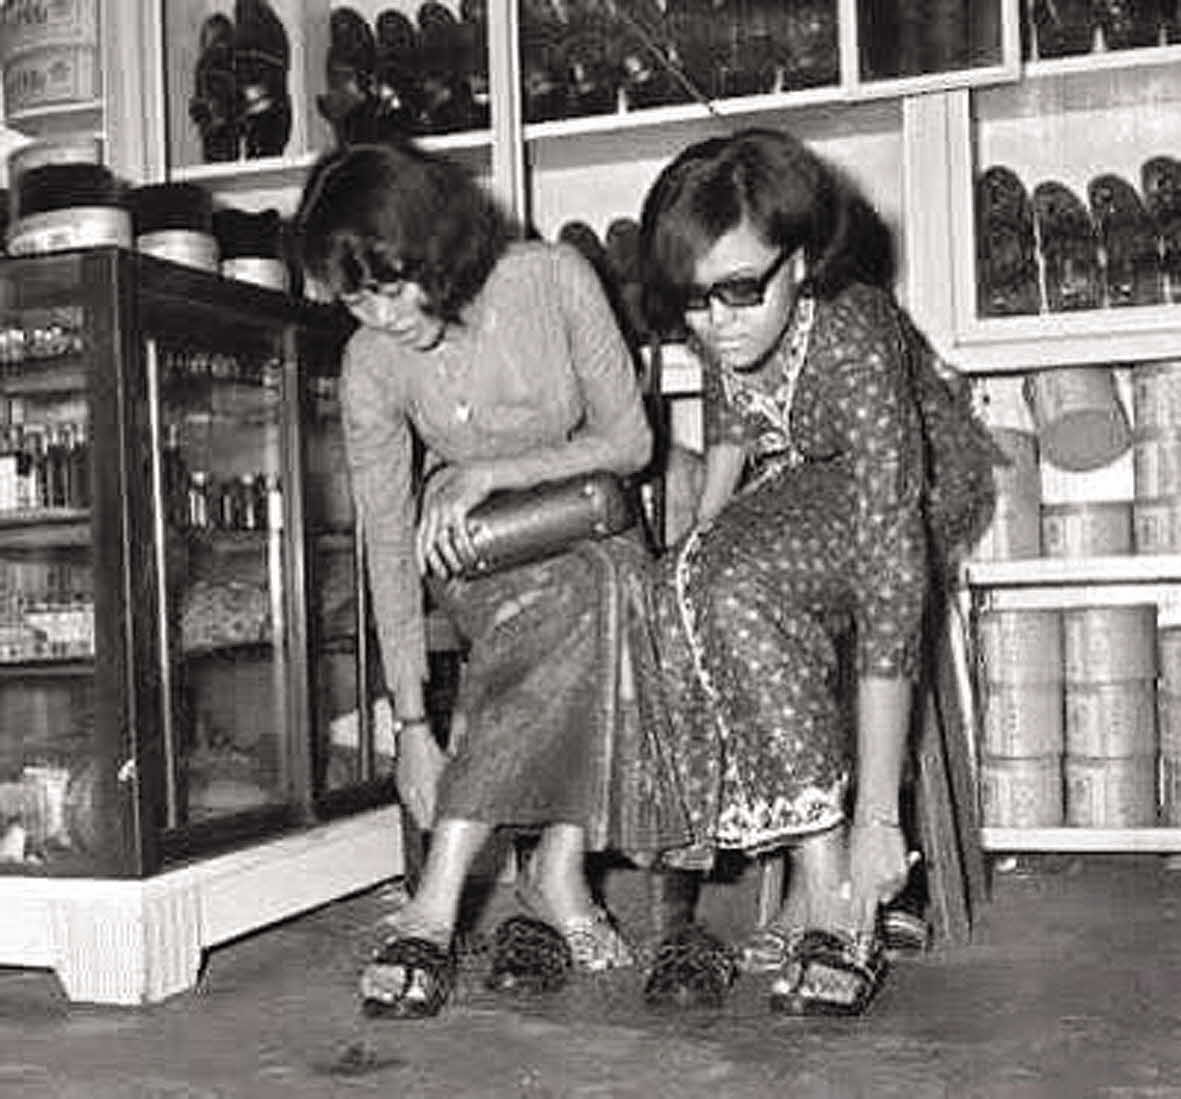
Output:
[[191, 742]]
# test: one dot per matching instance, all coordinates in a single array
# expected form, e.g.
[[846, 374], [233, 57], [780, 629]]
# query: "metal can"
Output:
[[1111, 793], [1021, 793], [1102, 644], [1104, 720], [1022, 720], [1020, 646], [1087, 530]]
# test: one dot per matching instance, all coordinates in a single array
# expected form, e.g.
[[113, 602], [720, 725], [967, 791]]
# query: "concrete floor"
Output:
[[1071, 988]]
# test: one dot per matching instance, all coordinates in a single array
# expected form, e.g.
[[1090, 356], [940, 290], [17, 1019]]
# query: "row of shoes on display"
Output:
[[1050, 250], [1062, 28], [241, 103]]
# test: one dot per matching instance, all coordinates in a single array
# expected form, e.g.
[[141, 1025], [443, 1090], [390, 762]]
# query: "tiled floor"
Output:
[[1072, 988]]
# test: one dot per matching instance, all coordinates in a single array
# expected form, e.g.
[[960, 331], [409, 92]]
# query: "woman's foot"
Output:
[[413, 968], [594, 941]]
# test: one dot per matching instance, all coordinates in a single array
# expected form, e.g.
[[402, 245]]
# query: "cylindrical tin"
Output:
[[1020, 646], [260, 270], [1168, 718], [1168, 648], [181, 246], [1081, 422], [1156, 463], [1021, 720], [1105, 720], [59, 230], [1111, 793], [66, 149], [1022, 477], [1157, 524], [1014, 532], [1156, 395], [36, 24], [1021, 793], [1102, 644], [1087, 530], [1170, 791], [49, 77]]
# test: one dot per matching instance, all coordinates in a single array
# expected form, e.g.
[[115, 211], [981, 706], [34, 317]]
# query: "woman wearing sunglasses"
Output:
[[809, 555], [502, 359]]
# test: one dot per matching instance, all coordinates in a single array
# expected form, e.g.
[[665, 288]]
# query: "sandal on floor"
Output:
[[692, 968], [1070, 249], [903, 931], [1006, 249], [530, 956], [1160, 180], [1132, 270], [595, 942], [835, 973], [408, 978], [769, 948]]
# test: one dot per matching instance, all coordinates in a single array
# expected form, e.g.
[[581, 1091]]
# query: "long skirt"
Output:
[[550, 729], [753, 619]]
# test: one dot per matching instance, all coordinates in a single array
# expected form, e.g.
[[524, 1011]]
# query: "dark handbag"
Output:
[[514, 527]]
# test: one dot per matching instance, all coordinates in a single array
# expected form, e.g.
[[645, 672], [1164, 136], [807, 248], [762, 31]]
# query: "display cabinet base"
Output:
[[137, 942]]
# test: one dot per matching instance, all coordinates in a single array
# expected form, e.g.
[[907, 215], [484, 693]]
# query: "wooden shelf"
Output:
[[45, 529], [1100, 61], [1124, 840], [1129, 568]]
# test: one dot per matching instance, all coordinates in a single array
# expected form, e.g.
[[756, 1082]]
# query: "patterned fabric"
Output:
[[550, 730], [825, 548]]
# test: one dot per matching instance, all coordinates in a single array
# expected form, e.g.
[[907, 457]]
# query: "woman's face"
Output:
[[741, 298], [396, 308]]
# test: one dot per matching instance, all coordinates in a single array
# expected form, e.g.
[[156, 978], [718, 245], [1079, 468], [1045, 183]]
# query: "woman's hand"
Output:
[[444, 546], [419, 768], [878, 868]]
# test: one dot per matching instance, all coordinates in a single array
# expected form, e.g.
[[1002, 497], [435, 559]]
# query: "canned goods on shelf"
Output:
[[1111, 793], [1168, 647], [1157, 524], [1156, 463], [1170, 790], [1105, 720], [49, 77], [1020, 646], [1022, 720], [1087, 530], [1081, 422], [1102, 644], [1168, 722], [1156, 394], [1021, 793]]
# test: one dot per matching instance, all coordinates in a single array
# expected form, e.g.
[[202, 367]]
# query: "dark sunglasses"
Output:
[[738, 293]]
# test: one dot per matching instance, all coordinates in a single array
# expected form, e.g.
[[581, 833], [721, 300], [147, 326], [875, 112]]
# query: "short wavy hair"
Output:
[[375, 213], [789, 194]]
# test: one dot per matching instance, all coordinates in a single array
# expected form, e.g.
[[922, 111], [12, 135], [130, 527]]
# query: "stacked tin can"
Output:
[[1169, 723], [1014, 531], [1156, 395], [1022, 733], [1110, 765]]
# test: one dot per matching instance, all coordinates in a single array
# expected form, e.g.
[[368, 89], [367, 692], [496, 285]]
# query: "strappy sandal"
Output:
[[594, 940], [691, 968], [1160, 180], [769, 948], [1070, 250], [1131, 270], [528, 955], [1063, 27], [1006, 249], [834, 973], [408, 978]]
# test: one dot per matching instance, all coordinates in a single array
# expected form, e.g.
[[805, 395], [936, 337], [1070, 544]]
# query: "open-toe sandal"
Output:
[[1132, 268], [1160, 180], [595, 941], [834, 973], [1006, 249], [902, 930], [692, 968], [1070, 250], [769, 948], [408, 978], [528, 955]]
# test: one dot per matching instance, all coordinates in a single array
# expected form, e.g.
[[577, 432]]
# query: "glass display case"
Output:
[[186, 668]]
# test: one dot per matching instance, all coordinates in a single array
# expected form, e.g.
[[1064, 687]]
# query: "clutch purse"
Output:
[[514, 527]]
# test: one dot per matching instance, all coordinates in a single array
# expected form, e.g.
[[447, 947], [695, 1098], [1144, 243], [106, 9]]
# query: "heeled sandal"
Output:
[[1132, 268], [349, 103], [1006, 249], [595, 941], [692, 968], [833, 973], [409, 977], [1069, 247], [528, 955]]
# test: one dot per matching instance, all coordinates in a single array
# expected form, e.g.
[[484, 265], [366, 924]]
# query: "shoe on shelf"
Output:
[[1006, 248], [1160, 181], [1132, 263], [1069, 247]]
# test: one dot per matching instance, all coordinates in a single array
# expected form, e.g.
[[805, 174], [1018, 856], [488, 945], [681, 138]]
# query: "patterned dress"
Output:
[[823, 550]]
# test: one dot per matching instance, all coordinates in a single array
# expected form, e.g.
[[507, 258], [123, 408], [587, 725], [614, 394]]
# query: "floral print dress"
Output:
[[823, 550]]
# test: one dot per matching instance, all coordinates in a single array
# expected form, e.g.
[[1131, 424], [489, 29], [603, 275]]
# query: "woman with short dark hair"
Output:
[[815, 532], [503, 358]]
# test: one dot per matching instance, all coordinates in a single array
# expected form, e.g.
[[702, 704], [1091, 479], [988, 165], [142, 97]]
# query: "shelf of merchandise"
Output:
[[1062, 571]]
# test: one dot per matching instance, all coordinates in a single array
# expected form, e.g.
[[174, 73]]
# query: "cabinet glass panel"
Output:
[[906, 38], [48, 812], [1076, 197], [228, 749]]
